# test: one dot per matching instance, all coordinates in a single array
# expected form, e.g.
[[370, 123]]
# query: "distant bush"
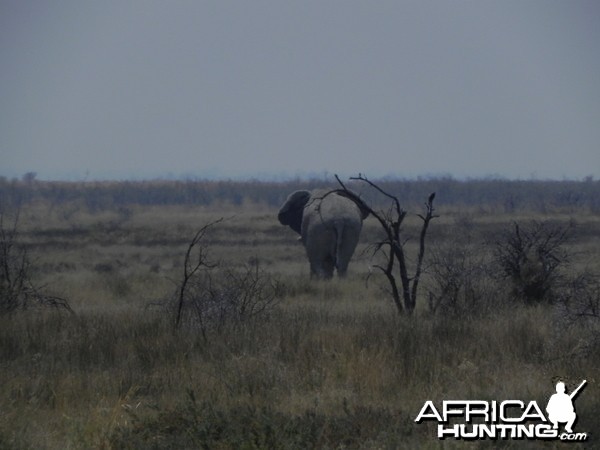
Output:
[[530, 257], [486, 194]]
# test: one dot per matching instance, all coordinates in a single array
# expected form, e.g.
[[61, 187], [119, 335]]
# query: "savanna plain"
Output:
[[265, 357]]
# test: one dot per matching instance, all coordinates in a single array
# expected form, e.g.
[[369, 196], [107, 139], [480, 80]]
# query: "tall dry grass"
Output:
[[326, 371], [331, 366]]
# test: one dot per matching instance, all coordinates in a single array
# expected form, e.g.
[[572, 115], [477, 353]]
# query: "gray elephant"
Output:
[[329, 224]]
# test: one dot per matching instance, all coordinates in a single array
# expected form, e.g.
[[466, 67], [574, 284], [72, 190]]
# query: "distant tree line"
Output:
[[487, 194]]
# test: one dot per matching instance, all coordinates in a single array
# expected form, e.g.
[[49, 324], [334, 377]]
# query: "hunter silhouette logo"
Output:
[[508, 419], [560, 406]]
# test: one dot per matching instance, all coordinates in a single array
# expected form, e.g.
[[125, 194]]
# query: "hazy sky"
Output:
[[147, 89]]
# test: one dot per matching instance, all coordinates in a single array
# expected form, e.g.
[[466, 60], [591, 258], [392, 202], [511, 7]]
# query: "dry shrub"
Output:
[[211, 297], [460, 281], [579, 304], [530, 257], [216, 298], [16, 288]]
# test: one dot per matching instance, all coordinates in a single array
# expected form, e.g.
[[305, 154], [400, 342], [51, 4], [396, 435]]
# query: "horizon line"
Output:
[[32, 176]]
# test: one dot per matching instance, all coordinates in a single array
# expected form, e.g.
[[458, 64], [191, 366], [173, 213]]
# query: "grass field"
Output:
[[328, 365]]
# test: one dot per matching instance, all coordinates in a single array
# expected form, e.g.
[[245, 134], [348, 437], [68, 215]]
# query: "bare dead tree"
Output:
[[192, 264], [17, 291], [212, 295], [392, 246], [14, 265]]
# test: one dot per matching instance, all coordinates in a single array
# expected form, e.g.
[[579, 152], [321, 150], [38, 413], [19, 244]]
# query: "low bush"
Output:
[[17, 290], [531, 257]]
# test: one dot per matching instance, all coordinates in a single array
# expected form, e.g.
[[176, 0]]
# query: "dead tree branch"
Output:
[[190, 268], [391, 223], [17, 291]]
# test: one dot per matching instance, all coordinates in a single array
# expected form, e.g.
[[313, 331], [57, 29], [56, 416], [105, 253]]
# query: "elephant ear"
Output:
[[291, 212], [364, 208]]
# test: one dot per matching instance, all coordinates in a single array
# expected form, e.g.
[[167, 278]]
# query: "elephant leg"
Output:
[[320, 249], [346, 244], [328, 266], [322, 267], [342, 268]]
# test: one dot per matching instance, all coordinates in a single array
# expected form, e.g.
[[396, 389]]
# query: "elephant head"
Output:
[[291, 212], [329, 223]]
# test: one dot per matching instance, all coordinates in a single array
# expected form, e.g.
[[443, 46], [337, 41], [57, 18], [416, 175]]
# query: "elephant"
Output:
[[329, 225]]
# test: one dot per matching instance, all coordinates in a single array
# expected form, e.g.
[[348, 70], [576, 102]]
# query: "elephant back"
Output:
[[335, 207]]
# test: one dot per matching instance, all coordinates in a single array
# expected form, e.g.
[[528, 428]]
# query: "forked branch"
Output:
[[391, 224], [190, 268]]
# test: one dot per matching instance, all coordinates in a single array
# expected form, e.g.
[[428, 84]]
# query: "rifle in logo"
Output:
[[576, 391]]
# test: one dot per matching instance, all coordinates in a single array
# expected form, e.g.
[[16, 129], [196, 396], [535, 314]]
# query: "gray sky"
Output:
[[146, 89]]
